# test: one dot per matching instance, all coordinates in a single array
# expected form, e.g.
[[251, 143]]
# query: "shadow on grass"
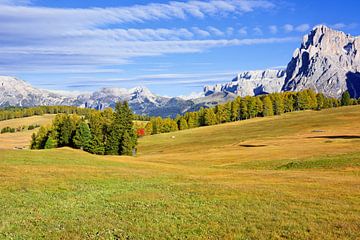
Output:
[[252, 145], [338, 137]]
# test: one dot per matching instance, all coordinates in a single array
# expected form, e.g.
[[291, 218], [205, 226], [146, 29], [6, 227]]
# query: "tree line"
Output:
[[243, 108], [105, 132], [18, 129], [21, 112]]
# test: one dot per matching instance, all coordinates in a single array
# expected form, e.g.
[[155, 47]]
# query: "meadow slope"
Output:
[[295, 176]]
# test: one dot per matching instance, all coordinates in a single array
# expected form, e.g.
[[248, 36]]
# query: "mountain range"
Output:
[[327, 61]]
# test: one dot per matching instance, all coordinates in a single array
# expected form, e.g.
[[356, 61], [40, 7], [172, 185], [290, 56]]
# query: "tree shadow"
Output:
[[338, 137], [252, 145]]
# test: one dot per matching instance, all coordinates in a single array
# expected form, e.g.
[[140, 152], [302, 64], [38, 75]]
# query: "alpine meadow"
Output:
[[214, 119]]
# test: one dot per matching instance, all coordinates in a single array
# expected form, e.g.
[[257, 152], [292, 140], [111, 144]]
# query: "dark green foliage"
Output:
[[345, 99], [50, 143], [105, 132], [82, 138]]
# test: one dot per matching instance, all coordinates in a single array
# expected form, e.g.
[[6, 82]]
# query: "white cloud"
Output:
[[257, 31], [229, 31], [341, 26], [49, 38], [273, 29], [288, 28], [243, 31], [200, 32], [215, 31], [15, 2], [302, 28]]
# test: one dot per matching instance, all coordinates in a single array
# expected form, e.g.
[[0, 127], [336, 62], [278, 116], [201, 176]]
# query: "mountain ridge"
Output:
[[327, 61]]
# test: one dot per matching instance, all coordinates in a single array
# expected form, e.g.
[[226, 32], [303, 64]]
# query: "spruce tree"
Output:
[[345, 99], [82, 138], [127, 144]]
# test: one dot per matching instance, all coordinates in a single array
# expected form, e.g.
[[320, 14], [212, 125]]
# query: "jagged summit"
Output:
[[327, 61]]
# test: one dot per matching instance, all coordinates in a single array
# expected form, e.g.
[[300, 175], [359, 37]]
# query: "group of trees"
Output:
[[99, 132], [248, 107], [20, 112], [18, 129]]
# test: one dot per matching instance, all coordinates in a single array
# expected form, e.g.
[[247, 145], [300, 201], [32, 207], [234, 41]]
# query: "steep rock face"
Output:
[[16, 92], [328, 61], [251, 83]]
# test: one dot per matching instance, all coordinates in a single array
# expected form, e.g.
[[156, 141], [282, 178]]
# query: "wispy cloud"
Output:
[[85, 38], [273, 29]]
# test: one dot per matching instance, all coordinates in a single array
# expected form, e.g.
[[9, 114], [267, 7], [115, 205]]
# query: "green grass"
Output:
[[271, 178]]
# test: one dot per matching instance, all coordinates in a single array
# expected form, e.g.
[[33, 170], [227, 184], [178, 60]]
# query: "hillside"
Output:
[[270, 178], [22, 139]]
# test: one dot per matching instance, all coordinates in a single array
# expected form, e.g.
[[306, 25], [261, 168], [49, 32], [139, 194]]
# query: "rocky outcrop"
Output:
[[251, 83], [328, 61]]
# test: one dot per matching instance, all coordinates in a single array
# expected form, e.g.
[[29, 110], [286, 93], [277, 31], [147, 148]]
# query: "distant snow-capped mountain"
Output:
[[16, 92], [327, 61], [251, 83]]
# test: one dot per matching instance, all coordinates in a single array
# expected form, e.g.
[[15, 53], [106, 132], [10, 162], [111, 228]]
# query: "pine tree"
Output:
[[278, 103], [82, 138], [210, 117], [235, 109], [320, 101], [289, 102], [183, 124], [345, 99], [244, 113], [97, 138], [268, 107], [127, 144], [252, 108]]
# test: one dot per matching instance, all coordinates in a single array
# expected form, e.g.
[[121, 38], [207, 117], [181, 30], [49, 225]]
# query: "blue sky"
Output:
[[172, 47]]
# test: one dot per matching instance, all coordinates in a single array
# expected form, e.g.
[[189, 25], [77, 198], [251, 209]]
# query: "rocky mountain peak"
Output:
[[327, 61]]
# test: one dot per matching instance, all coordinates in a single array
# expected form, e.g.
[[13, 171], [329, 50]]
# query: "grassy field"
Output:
[[295, 176], [21, 139]]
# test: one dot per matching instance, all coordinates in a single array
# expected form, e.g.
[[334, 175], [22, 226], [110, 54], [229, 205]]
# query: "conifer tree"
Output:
[[183, 124], [278, 103], [97, 137], [244, 113], [268, 107], [82, 138], [127, 144], [235, 109], [345, 99], [210, 117]]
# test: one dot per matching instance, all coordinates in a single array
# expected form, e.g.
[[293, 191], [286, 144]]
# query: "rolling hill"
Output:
[[294, 176]]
